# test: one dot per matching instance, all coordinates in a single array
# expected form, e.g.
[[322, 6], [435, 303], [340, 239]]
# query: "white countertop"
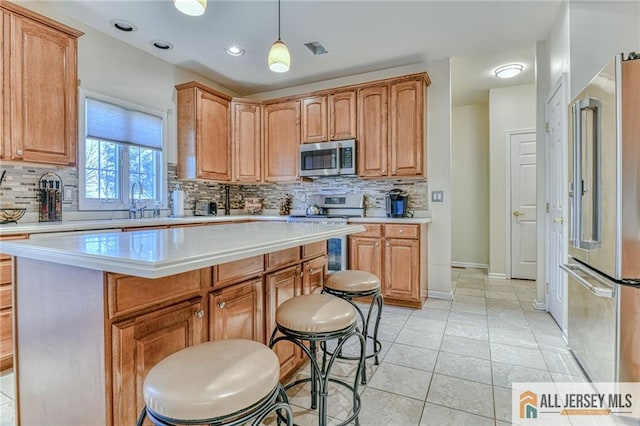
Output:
[[115, 224], [163, 252]]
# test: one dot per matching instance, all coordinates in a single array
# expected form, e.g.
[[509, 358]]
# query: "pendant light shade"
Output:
[[191, 7], [279, 57]]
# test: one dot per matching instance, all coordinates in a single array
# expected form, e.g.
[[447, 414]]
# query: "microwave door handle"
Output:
[[338, 157]]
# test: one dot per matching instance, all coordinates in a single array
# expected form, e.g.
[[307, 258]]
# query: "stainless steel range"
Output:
[[334, 209]]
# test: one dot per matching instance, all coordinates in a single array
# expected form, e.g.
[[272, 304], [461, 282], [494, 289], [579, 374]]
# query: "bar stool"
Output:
[[350, 284], [317, 318], [225, 382]]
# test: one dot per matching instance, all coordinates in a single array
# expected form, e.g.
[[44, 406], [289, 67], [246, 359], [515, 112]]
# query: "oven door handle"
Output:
[[605, 291]]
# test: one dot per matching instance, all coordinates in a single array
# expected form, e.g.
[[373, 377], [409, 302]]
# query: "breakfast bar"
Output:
[[95, 312]]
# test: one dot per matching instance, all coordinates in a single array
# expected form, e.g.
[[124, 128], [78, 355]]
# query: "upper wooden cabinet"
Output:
[[281, 141], [204, 135], [247, 141], [39, 88], [329, 117], [391, 129]]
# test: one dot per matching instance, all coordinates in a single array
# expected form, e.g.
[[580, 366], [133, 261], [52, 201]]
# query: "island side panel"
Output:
[[60, 344]]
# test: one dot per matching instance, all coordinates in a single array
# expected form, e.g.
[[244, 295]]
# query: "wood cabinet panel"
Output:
[[40, 82], [314, 119], [281, 286], [4, 88], [235, 271], [342, 115], [247, 142], [314, 272], [314, 249], [373, 230], [282, 258], [6, 306], [372, 131], [140, 343], [401, 269], [402, 231], [281, 141], [407, 136], [237, 312], [6, 338], [5, 296], [365, 254]]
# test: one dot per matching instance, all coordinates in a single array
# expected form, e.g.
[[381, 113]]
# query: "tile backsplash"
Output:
[[19, 189]]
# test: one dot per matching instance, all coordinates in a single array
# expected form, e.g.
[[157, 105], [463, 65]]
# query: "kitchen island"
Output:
[[95, 312]]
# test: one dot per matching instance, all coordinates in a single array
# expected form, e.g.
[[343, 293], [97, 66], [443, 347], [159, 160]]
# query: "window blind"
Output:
[[111, 122]]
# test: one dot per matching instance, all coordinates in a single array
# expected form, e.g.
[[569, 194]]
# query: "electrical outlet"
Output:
[[437, 196]]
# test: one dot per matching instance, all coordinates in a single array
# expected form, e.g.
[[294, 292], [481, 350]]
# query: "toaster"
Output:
[[206, 208]]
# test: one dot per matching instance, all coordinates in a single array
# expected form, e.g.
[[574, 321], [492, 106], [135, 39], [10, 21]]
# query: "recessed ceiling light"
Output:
[[161, 44], [316, 48], [122, 25], [191, 7], [508, 70], [234, 51]]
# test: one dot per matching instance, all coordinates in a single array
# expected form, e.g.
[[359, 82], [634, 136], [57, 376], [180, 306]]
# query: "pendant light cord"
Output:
[[278, 19]]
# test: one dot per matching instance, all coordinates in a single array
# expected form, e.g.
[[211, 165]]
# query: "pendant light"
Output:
[[191, 7], [279, 58]]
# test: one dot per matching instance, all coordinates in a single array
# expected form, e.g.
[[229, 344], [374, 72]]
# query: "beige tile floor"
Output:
[[451, 363]]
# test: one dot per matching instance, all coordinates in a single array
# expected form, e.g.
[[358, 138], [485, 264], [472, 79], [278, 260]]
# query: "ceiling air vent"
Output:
[[316, 48]]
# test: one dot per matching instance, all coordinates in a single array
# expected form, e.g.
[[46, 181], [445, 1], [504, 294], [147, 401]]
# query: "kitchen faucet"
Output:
[[133, 207]]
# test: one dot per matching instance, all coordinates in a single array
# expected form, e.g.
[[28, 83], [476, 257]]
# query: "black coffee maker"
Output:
[[396, 202]]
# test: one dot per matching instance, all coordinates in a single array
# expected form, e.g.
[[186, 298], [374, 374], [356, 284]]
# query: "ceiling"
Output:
[[360, 36]]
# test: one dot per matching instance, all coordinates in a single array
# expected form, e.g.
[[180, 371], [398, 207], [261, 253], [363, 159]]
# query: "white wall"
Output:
[[510, 108], [470, 185]]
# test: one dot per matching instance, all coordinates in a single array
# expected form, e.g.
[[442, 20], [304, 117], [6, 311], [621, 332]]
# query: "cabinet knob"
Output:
[[200, 313], [221, 305], [377, 244], [19, 152], [401, 230], [387, 244], [384, 171], [394, 170], [302, 273]]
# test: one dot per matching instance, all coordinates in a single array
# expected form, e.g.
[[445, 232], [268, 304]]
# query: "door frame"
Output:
[[507, 185]]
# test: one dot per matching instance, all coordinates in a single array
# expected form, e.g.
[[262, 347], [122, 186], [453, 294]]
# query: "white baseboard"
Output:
[[440, 294], [540, 306], [495, 276], [470, 265]]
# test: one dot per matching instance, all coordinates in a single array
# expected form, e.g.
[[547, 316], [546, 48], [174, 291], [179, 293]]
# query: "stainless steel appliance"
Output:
[[396, 203], [328, 158], [604, 224], [335, 209], [206, 208]]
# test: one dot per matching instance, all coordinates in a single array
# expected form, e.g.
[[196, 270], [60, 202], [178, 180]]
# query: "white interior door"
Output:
[[556, 161], [523, 205]]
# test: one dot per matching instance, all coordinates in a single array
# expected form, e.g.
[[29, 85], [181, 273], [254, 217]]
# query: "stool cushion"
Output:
[[211, 380], [319, 313], [352, 280]]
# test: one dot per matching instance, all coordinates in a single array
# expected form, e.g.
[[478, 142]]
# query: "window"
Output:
[[120, 155]]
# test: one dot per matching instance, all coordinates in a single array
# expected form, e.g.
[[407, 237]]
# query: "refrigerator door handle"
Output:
[[605, 291]]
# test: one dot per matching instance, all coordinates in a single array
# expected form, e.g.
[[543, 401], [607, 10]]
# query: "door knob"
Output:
[[517, 213], [558, 220]]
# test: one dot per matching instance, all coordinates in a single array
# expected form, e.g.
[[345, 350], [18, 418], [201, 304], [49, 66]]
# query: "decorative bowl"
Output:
[[11, 215]]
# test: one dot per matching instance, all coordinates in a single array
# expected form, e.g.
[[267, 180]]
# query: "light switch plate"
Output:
[[68, 193], [437, 196]]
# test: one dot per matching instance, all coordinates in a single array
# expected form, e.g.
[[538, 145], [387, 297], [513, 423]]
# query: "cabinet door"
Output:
[[282, 286], [282, 138], [372, 131], [402, 266], [407, 136], [140, 343], [342, 115], [247, 142], [314, 272], [237, 312], [43, 94], [314, 119], [213, 138], [365, 254], [6, 310]]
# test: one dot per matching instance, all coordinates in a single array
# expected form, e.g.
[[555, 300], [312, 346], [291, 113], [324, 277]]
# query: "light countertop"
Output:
[[163, 252]]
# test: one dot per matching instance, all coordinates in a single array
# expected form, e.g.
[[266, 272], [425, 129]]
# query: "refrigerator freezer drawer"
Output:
[[592, 328]]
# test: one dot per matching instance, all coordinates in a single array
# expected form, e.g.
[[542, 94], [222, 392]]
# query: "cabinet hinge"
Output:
[[546, 126], [547, 208]]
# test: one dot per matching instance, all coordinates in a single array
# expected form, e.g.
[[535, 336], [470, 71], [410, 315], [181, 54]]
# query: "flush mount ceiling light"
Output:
[[161, 44], [122, 25], [279, 58], [191, 7], [234, 51], [508, 70]]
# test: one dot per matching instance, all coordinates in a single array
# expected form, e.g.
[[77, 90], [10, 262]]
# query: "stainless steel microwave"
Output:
[[328, 158]]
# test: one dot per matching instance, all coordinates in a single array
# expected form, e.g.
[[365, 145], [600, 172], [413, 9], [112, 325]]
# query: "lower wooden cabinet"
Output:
[[401, 269], [313, 275], [6, 307], [237, 312], [140, 343], [365, 253], [281, 286]]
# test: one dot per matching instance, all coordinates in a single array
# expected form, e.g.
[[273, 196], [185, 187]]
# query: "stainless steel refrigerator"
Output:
[[604, 224]]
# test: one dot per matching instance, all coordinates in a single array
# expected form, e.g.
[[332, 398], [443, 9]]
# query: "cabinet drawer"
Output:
[[5, 296], [314, 249], [5, 271], [237, 270], [283, 257], [128, 294], [373, 230], [402, 231]]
